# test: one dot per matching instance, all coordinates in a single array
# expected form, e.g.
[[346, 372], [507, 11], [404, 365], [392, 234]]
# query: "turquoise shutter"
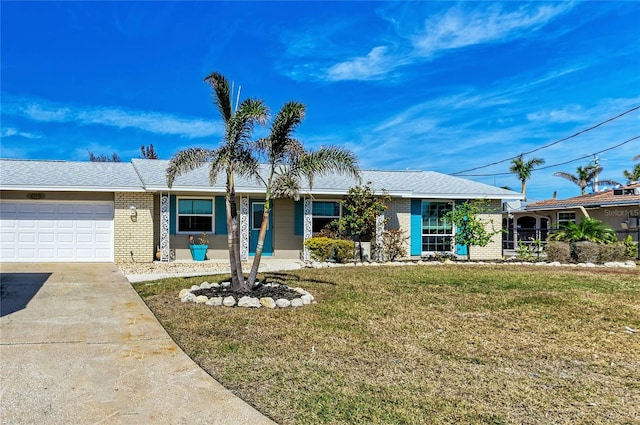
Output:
[[173, 217], [220, 216], [298, 218], [416, 227]]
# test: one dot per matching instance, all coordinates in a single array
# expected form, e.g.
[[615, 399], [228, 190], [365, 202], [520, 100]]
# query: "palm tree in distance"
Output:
[[523, 169], [634, 174], [584, 177], [288, 163], [233, 156]]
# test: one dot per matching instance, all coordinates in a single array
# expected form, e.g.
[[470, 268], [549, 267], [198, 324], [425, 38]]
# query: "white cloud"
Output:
[[570, 113], [9, 132], [152, 122], [455, 28]]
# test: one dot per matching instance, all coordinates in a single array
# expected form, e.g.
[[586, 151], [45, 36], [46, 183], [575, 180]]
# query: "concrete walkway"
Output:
[[79, 346]]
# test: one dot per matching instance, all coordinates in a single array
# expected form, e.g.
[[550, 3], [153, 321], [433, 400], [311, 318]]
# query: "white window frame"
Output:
[[339, 202], [564, 222], [452, 245], [178, 215]]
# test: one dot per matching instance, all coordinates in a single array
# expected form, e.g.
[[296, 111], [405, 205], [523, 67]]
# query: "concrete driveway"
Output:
[[79, 346]]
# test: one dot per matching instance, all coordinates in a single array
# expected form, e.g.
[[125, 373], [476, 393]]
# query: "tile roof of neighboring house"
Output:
[[67, 175], [150, 175], [599, 199], [416, 184]]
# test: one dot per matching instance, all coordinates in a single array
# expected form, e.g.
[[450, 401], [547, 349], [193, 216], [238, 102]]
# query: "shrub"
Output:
[[321, 247], [586, 252], [559, 251], [613, 252], [343, 250], [631, 247], [324, 249], [394, 244]]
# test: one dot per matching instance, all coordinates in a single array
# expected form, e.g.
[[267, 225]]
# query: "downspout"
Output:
[[584, 211]]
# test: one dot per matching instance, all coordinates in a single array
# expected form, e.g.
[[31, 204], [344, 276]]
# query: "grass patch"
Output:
[[416, 344]]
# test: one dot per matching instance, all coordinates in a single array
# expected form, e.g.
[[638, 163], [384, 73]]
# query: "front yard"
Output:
[[416, 344]]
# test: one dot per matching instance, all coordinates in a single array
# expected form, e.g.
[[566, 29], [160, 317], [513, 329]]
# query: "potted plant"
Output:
[[199, 249]]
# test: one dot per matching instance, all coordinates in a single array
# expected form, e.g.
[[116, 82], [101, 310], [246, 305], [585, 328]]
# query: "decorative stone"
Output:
[[299, 291], [215, 301], [555, 264], [306, 299], [215, 285], [225, 284], [630, 264], [195, 287], [267, 302], [189, 298], [183, 293], [201, 299], [229, 301], [205, 285], [247, 301], [297, 302], [283, 303]]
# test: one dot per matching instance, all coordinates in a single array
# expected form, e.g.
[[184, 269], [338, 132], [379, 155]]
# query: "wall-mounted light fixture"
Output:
[[134, 212]]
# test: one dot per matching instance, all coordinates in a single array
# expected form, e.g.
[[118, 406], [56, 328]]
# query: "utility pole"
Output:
[[595, 177]]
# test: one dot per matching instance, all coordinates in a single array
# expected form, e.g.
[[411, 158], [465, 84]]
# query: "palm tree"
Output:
[[634, 174], [288, 163], [233, 156], [589, 229], [523, 169], [584, 177]]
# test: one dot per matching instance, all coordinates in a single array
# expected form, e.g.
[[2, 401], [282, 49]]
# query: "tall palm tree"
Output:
[[233, 156], [288, 163], [634, 174], [584, 177], [523, 169]]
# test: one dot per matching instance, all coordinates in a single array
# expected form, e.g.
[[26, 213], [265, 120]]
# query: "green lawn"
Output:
[[426, 345]]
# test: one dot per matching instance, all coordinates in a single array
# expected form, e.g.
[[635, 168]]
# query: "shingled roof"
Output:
[[150, 175], [68, 175], [607, 198]]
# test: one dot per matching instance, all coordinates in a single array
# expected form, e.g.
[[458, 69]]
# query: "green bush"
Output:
[[613, 252], [586, 252], [321, 248], [631, 247], [559, 251], [343, 250], [324, 249]]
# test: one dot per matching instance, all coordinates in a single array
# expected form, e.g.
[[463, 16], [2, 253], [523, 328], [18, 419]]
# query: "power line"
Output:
[[558, 164], [548, 145]]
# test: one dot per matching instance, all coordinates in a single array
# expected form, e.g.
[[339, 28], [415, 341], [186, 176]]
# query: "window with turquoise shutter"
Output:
[[195, 215]]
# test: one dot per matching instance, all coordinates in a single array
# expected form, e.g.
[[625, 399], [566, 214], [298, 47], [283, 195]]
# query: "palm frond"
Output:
[[185, 161], [222, 98], [327, 160]]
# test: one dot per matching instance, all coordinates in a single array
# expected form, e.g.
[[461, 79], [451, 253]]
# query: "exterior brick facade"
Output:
[[133, 235], [399, 216], [493, 222]]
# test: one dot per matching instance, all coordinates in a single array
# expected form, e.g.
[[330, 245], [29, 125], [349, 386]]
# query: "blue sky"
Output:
[[442, 86]]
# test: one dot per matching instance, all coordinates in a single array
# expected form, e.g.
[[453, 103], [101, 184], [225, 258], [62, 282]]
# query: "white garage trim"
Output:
[[56, 231]]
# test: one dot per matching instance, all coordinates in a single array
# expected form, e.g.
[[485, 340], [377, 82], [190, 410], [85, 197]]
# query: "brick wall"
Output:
[[399, 215], [493, 222], [134, 234]]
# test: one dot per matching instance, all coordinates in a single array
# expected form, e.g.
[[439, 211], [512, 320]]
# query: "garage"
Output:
[[39, 231]]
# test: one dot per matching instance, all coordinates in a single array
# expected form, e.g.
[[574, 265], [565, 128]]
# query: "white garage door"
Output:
[[56, 231]]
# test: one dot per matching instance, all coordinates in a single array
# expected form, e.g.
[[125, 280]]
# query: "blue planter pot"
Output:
[[198, 252]]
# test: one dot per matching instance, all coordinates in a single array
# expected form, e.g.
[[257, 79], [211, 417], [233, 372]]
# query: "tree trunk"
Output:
[[232, 263], [524, 188], [240, 284], [468, 252], [260, 246]]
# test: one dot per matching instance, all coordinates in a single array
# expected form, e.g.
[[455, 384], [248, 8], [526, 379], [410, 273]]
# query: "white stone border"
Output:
[[187, 296], [318, 265]]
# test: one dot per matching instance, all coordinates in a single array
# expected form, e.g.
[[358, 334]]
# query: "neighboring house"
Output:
[[92, 211], [619, 208]]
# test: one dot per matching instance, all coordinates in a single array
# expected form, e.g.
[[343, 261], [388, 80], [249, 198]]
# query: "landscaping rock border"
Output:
[[318, 265], [289, 297]]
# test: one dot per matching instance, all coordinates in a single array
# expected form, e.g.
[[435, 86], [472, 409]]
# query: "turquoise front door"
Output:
[[255, 221]]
